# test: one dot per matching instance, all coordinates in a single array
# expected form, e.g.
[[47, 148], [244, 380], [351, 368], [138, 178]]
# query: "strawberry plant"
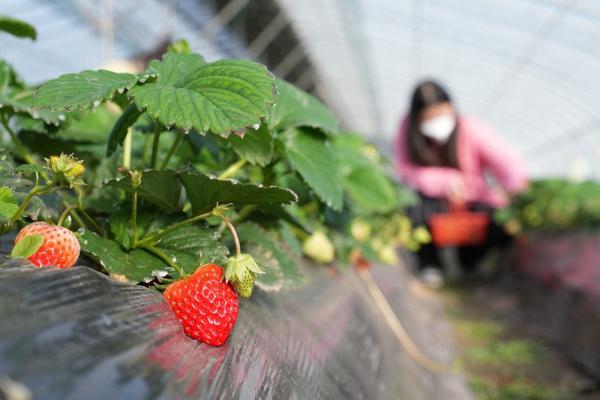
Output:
[[553, 205], [183, 162]]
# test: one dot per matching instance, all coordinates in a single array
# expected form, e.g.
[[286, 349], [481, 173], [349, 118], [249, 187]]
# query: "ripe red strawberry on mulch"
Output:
[[206, 306], [47, 245]]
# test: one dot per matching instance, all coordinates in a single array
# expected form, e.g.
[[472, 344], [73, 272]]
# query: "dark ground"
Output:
[[500, 353]]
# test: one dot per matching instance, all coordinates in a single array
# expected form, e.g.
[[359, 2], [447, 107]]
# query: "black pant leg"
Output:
[[419, 214]]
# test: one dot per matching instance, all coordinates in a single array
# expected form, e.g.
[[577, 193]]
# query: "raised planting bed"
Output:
[[559, 284], [75, 333]]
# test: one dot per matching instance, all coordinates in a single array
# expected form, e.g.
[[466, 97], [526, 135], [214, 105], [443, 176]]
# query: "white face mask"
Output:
[[439, 128]]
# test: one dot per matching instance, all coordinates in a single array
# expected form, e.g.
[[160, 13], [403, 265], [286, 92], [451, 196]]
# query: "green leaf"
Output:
[[311, 155], [24, 122], [350, 152], [276, 213], [20, 186], [29, 168], [296, 108], [256, 147], [89, 127], [205, 192], [370, 189], [158, 187], [221, 97], [119, 131], [17, 27], [189, 246], [175, 67], [83, 90], [136, 266], [286, 233], [23, 105], [8, 204], [119, 221], [27, 246], [194, 245], [273, 256], [9, 79]]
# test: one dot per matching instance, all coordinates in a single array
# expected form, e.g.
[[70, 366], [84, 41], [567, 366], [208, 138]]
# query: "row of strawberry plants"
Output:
[[167, 170], [553, 205]]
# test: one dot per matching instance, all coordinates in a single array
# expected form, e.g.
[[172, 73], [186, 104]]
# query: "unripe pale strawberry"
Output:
[[60, 247]]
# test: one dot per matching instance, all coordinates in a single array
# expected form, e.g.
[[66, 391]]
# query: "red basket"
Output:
[[459, 227]]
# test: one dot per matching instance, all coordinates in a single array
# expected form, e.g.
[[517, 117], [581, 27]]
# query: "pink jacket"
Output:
[[480, 150]]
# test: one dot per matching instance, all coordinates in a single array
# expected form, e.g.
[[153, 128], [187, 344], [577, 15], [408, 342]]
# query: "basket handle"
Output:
[[457, 206]]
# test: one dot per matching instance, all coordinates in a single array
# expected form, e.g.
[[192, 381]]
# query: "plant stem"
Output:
[[160, 254], [236, 239], [174, 146], [78, 219], [133, 221], [127, 150], [17, 142], [239, 218], [232, 169], [157, 132], [244, 212], [29, 159], [64, 214], [37, 190], [158, 234], [91, 220]]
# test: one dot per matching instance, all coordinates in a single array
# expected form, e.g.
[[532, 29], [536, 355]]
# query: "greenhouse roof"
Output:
[[529, 67]]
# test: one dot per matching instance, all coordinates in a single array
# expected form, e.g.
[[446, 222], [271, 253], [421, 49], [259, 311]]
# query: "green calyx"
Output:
[[238, 266]]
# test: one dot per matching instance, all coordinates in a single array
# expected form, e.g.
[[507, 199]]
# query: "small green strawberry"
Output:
[[318, 247], [244, 286], [241, 271], [421, 235]]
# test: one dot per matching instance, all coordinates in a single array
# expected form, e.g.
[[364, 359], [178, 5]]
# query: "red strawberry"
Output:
[[206, 306], [60, 247]]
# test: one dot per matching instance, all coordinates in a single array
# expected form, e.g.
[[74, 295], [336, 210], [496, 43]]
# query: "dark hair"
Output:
[[420, 148]]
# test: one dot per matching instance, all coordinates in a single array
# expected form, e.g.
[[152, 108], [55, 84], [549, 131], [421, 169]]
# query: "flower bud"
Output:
[[136, 179], [66, 168]]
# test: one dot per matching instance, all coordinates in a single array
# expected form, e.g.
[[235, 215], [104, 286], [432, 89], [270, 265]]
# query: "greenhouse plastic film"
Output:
[[75, 334]]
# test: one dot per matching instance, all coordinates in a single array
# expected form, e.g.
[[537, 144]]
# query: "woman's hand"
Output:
[[457, 193]]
